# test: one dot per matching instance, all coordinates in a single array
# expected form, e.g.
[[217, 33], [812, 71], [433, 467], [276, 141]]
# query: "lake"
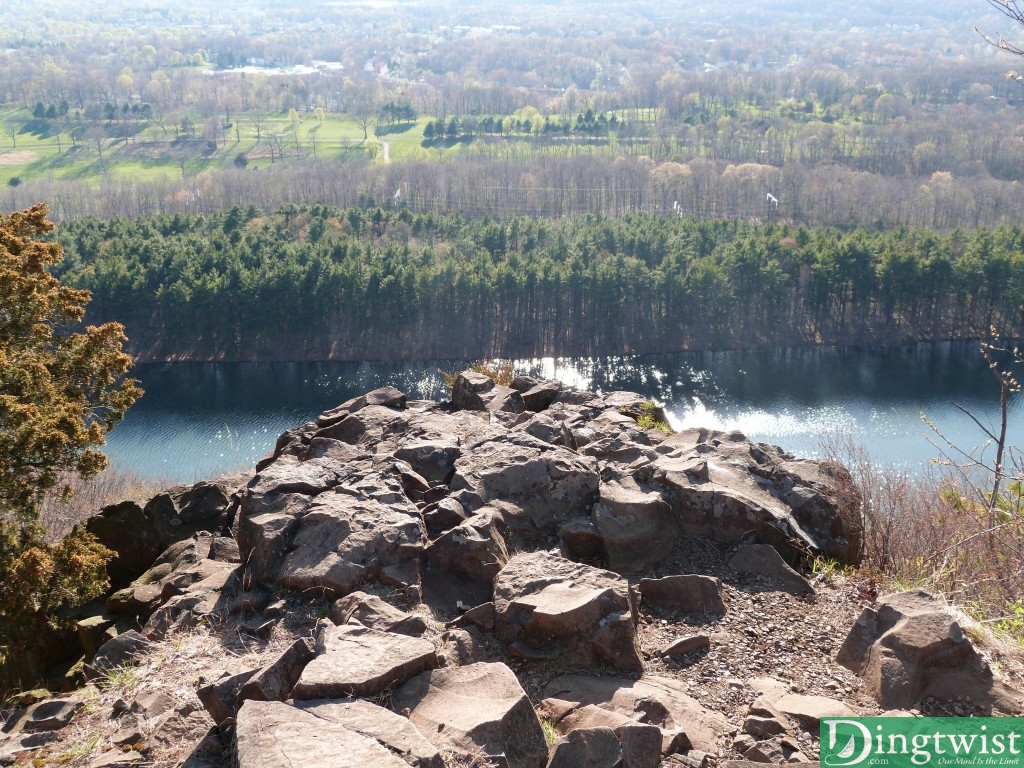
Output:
[[199, 420]]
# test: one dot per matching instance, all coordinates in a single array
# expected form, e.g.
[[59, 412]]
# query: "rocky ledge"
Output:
[[524, 576]]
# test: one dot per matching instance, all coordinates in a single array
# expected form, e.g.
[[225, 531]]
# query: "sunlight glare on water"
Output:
[[200, 420]]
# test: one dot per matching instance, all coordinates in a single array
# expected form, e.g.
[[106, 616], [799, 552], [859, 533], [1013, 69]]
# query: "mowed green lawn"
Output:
[[44, 149]]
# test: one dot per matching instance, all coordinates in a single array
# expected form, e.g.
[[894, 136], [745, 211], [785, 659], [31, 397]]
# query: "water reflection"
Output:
[[199, 420]]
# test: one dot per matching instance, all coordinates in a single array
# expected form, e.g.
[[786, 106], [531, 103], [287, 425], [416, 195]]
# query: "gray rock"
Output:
[[762, 727], [540, 396], [809, 710], [580, 539], [584, 613], [371, 611], [220, 698], [641, 745], [47, 715], [353, 660], [444, 516], [117, 652], [388, 397], [651, 700], [687, 593], [153, 703], [290, 475], [910, 647], [636, 525], [541, 486], [344, 541], [126, 530], [265, 532], [467, 391], [764, 560], [433, 459], [722, 486], [270, 734], [685, 645], [275, 681], [475, 548], [587, 748], [395, 732], [477, 706]]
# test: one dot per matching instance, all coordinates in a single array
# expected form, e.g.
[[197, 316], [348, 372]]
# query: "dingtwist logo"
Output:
[[855, 751]]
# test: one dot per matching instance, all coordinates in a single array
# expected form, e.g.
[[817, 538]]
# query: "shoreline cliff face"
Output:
[[525, 575]]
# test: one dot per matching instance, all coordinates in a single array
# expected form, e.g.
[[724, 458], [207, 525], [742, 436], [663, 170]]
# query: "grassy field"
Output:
[[45, 149], [144, 150]]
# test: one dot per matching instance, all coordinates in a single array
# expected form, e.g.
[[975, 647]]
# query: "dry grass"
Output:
[[176, 665], [500, 372], [89, 496], [931, 532]]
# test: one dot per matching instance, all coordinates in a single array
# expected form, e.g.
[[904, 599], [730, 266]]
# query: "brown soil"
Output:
[[17, 157]]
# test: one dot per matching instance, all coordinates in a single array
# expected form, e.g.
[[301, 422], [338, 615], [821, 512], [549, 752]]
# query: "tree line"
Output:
[[318, 283]]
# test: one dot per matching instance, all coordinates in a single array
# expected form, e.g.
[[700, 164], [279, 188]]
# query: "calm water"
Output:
[[198, 420]]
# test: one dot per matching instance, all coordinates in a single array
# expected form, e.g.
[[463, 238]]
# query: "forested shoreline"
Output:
[[318, 283]]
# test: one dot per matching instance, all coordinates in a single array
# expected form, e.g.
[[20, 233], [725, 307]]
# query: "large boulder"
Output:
[[636, 525], [546, 604], [541, 485], [344, 540], [910, 646], [125, 529], [479, 706], [181, 511], [474, 549], [722, 486], [686, 593]]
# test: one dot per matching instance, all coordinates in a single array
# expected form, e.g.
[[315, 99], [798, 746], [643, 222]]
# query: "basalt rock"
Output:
[[479, 706], [910, 646], [545, 603]]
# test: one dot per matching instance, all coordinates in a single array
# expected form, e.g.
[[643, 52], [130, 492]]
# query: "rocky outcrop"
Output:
[[910, 646], [519, 524], [546, 605], [478, 706]]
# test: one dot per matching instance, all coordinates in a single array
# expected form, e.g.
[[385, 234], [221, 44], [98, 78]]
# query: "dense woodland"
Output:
[[846, 114], [318, 283], [344, 180]]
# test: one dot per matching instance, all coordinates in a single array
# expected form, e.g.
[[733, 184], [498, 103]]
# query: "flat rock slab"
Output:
[[553, 604], [354, 660], [652, 700], [395, 732], [809, 710], [271, 734], [477, 706], [688, 593]]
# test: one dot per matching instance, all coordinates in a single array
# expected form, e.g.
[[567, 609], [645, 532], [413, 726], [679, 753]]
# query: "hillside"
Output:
[[525, 576]]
